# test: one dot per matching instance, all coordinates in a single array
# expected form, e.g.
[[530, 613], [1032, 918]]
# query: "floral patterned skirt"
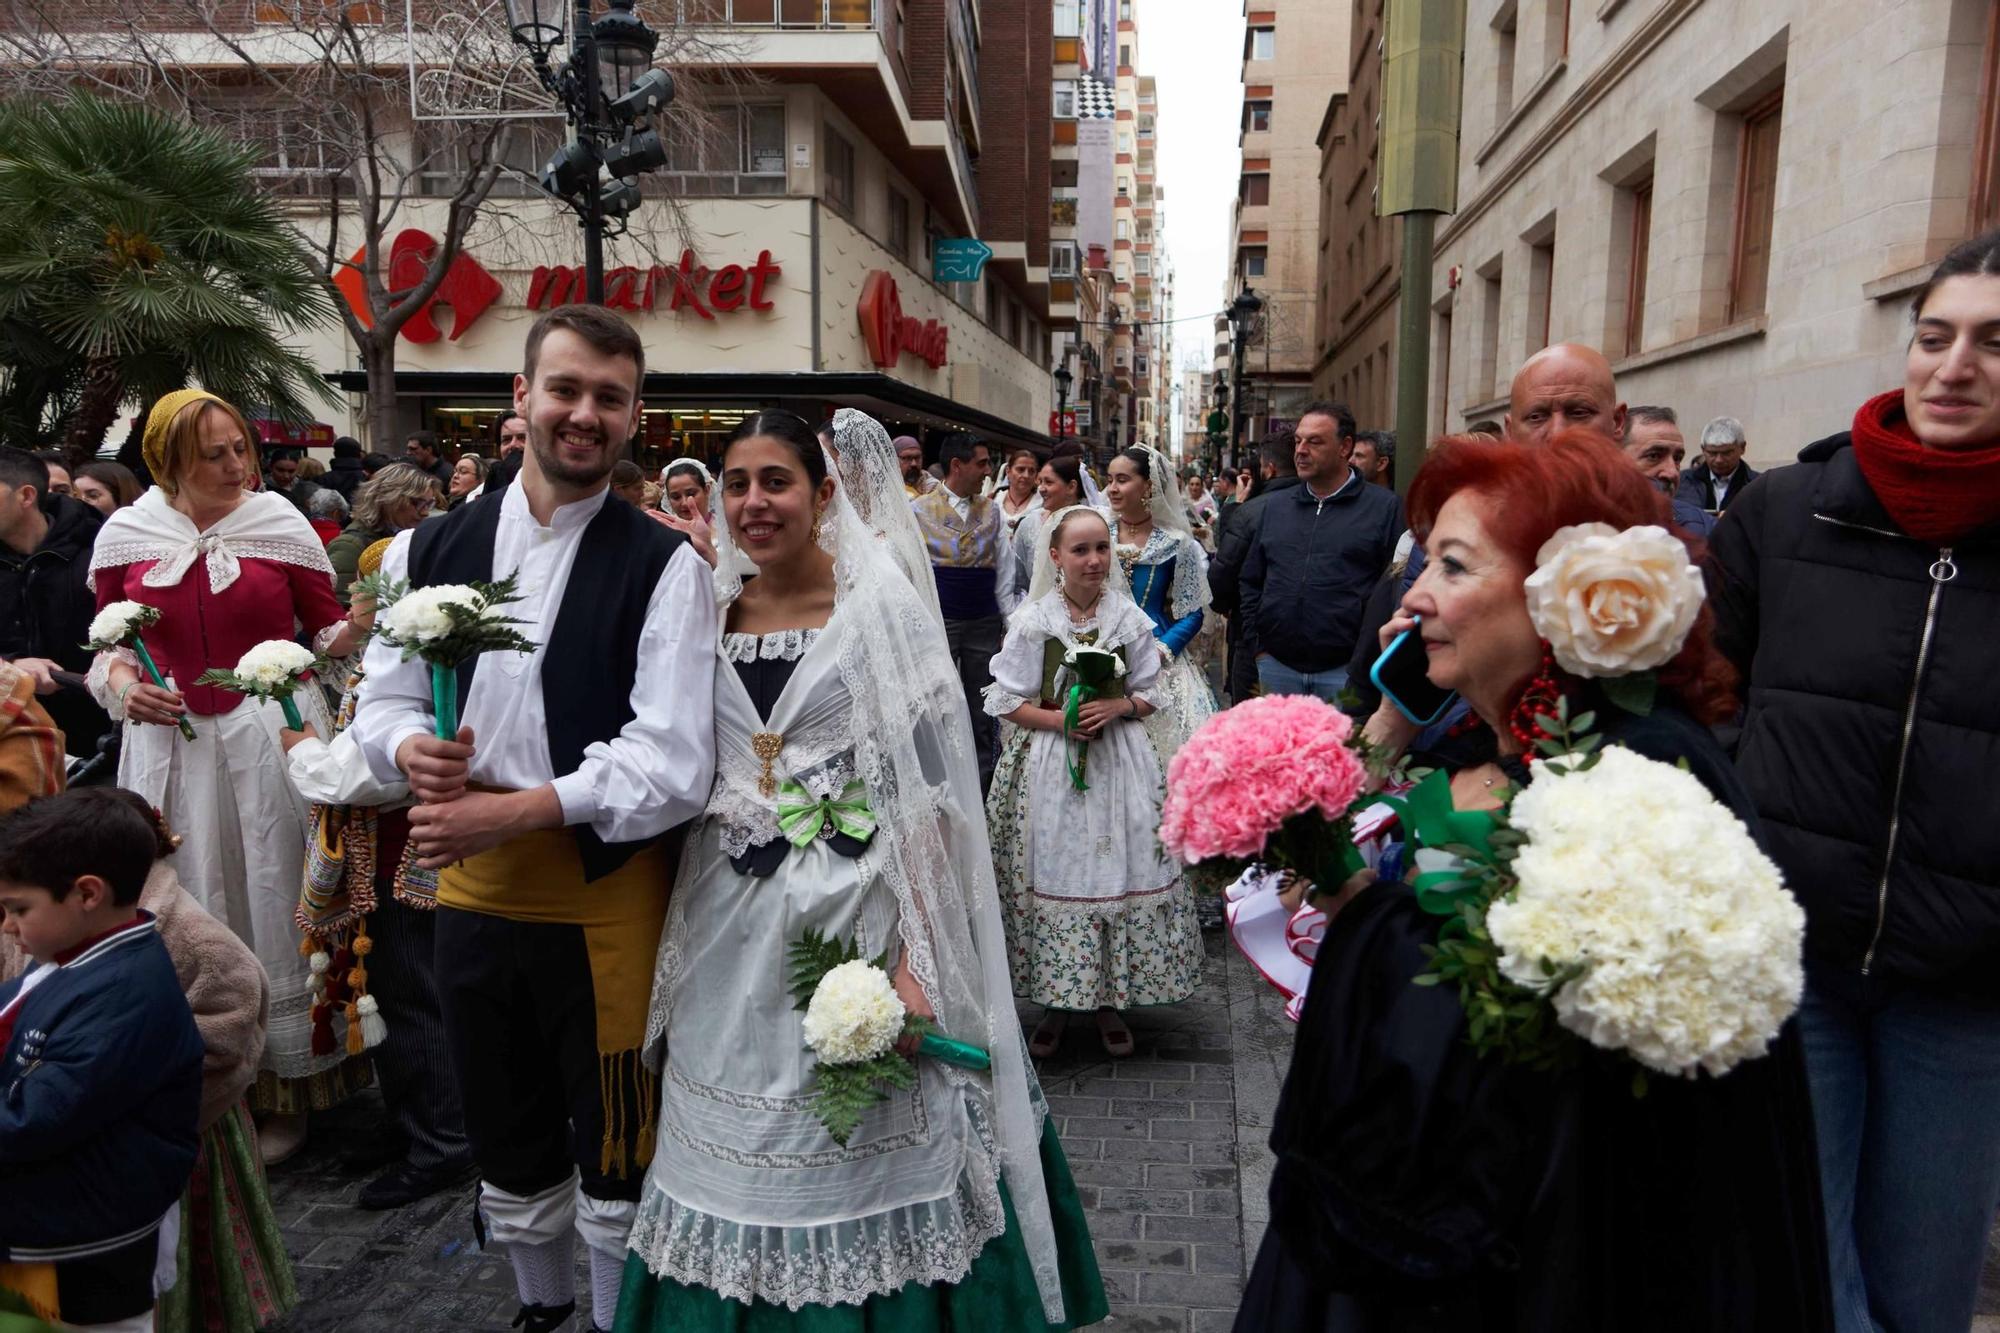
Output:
[[1136, 948]]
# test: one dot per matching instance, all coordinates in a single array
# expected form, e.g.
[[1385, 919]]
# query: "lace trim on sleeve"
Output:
[[99, 680], [999, 702]]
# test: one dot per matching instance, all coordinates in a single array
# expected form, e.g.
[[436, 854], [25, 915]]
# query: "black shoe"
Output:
[[543, 1318], [406, 1184]]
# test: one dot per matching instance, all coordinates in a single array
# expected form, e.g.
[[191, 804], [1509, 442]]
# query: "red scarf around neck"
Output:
[[1938, 496]]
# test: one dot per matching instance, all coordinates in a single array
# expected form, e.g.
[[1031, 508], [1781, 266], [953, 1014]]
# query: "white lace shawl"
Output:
[[1121, 626], [1189, 593], [265, 526]]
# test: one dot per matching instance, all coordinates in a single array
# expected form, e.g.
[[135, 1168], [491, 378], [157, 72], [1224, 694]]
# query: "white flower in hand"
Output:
[[119, 621], [275, 663], [1611, 603], [854, 1015], [418, 616]]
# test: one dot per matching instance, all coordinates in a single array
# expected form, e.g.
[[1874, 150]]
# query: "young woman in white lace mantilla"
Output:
[[1168, 573], [834, 685], [1098, 919]]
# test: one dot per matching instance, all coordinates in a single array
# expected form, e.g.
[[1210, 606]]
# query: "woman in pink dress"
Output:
[[228, 568]]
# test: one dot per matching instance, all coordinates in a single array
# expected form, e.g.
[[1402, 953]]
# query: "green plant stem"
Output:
[[146, 660], [444, 700]]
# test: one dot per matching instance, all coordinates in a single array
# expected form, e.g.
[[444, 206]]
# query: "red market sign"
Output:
[[1062, 423], [467, 287], [471, 291], [891, 334], [688, 286]]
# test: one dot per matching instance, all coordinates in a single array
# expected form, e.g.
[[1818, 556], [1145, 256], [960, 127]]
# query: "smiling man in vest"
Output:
[[547, 815]]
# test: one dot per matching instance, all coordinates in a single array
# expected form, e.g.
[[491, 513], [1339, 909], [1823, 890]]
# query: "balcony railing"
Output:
[[782, 13]]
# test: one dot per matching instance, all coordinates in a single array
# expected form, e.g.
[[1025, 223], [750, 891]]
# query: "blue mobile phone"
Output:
[[1402, 673]]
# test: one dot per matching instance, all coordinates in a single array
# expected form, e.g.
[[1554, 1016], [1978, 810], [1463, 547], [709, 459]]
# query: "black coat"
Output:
[[1698, 486], [1225, 581], [1421, 1187], [1310, 567], [1872, 735], [46, 607], [344, 475]]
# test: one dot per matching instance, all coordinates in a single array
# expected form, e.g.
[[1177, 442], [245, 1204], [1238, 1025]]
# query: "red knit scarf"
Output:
[[1937, 496]]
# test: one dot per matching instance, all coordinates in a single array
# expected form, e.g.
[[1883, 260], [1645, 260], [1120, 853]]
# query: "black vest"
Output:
[[592, 655]]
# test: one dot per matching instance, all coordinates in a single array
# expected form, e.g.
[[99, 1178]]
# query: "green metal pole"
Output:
[[1413, 349]]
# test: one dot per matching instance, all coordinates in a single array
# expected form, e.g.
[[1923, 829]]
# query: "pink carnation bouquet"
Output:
[[1270, 780]]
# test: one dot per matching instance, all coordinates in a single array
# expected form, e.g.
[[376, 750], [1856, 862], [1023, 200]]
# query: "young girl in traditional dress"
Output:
[[846, 800], [1098, 919]]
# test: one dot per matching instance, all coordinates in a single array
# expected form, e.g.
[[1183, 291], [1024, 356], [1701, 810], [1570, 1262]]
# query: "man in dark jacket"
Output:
[[1870, 660], [45, 603], [425, 452], [1232, 544], [1715, 482], [345, 474], [1314, 557]]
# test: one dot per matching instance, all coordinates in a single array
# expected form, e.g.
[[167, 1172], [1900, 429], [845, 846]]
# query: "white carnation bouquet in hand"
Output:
[[273, 669], [447, 625], [1614, 898], [122, 625], [854, 1019]]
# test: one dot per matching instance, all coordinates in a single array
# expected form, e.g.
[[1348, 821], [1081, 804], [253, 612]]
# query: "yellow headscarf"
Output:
[[371, 559], [153, 444]]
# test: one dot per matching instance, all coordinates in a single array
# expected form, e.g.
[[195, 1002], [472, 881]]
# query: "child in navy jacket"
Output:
[[100, 1062]]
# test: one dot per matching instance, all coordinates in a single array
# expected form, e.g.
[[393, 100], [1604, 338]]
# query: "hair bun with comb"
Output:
[[371, 559]]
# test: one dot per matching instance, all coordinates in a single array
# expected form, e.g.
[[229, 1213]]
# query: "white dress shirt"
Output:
[[654, 774], [337, 772]]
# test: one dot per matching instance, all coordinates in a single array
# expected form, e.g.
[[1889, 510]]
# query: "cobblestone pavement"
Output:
[[1166, 1146]]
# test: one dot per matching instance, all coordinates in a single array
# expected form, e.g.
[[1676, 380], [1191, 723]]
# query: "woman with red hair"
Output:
[[1421, 1185]]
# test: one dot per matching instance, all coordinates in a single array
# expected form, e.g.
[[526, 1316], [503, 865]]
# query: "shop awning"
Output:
[[878, 395]]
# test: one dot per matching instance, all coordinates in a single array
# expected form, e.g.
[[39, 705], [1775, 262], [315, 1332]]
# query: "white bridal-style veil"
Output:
[[914, 753], [1044, 580]]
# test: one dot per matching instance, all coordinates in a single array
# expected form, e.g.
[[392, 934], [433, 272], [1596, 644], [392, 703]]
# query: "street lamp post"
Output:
[[610, 95], [1063, 380]]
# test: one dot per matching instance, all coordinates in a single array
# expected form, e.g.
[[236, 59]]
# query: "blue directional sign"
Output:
[[959, 259]]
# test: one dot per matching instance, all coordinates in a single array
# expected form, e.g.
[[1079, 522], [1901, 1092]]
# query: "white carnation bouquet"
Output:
[[271, 670], [1614, 898], [122, 625], [854, 1019], [1618, 897], [447, 625]]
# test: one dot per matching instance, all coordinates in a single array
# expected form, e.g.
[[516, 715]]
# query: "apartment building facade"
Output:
[[1734, 202], [792, 265], [1288, 80]]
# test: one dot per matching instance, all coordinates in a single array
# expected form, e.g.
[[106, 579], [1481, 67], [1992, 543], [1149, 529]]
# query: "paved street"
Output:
[[1167, 1148]]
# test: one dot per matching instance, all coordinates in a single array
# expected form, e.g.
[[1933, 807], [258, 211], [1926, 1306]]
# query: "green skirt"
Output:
[[232, 1273], [998, 1294]]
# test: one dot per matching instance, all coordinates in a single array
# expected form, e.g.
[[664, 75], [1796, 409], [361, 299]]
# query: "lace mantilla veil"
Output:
[[1044, 581], [915, 755]]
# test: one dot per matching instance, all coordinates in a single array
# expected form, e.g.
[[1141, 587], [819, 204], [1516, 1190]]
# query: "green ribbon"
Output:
[[1079, 750], [1431, 821], [801, 815]]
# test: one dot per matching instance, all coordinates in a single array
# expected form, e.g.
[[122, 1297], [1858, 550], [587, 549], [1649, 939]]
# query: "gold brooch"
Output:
[[765, 745]]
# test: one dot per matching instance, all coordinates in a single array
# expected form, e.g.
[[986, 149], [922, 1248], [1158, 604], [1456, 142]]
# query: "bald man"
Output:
[[1560, 387]]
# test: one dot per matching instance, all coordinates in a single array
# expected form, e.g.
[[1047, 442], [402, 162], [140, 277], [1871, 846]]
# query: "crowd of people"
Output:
[[822, 697]]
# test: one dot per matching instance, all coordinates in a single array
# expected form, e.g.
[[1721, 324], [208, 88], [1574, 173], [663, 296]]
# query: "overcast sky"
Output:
[[1194, 49]]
